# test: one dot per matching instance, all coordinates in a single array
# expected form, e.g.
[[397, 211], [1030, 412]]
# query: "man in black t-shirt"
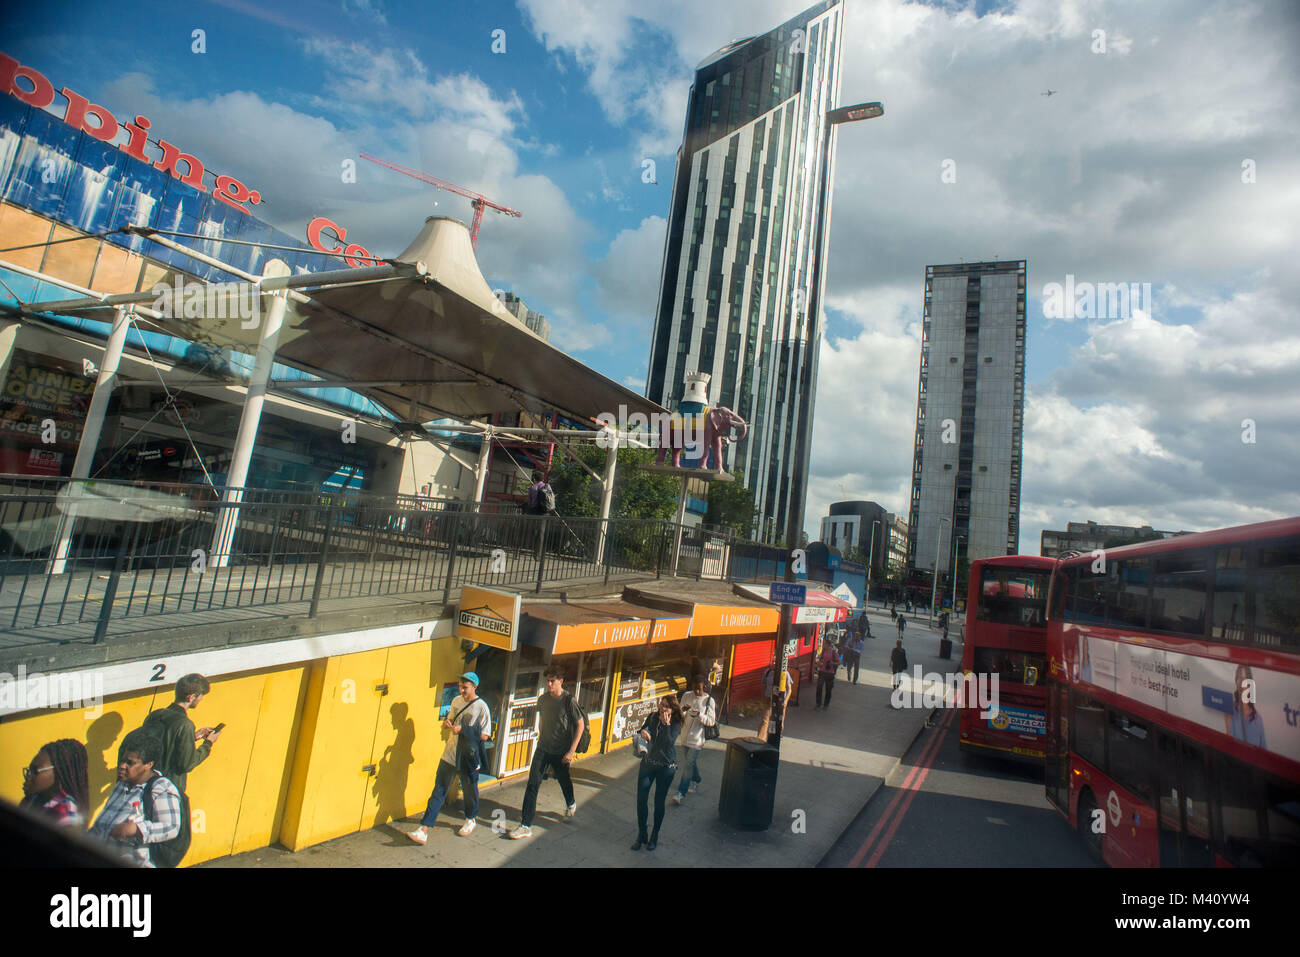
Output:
[[562, 727]]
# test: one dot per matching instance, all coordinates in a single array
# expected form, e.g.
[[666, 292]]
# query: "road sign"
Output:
[[787, 594]]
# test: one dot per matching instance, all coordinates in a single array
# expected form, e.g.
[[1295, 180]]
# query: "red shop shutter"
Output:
[[751, 660]]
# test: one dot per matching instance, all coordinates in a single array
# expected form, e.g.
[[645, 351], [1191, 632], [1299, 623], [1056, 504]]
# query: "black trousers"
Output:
[[826, 682], [661, 779], [852, 661], [540, 760]]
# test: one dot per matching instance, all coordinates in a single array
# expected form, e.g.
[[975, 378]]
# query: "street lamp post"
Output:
[[871, 557], [794, 505], [956, 539], [934, 578]]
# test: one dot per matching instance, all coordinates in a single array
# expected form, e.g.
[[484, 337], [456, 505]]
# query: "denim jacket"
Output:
[[661, 752]]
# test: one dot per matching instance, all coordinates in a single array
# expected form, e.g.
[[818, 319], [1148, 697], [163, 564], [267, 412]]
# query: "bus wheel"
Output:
[[1091, 839]]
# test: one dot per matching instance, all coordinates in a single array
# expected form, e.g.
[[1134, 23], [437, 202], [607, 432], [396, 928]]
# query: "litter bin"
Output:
[[945, 648], [748, 784]]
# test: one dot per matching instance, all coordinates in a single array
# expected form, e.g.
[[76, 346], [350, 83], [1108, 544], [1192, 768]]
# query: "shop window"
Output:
[[591, 684]]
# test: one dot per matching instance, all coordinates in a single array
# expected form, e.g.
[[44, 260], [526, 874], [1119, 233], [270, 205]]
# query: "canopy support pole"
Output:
[[251, 418], [92, 428]]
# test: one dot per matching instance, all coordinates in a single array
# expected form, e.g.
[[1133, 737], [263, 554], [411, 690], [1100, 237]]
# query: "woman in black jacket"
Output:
[[658, 767]]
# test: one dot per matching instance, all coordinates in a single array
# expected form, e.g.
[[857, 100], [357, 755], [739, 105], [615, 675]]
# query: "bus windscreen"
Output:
[[1013, 596]]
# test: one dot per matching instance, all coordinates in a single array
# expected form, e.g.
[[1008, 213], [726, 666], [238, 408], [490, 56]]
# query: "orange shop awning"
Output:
[[567, 629]]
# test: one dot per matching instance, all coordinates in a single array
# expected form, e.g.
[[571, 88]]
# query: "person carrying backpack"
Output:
[[146, 818], [176, 733], [541, 497], [470, 723], [563, 725]]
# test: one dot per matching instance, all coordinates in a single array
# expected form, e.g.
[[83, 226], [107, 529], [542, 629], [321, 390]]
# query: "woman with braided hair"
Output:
[[55, 783]]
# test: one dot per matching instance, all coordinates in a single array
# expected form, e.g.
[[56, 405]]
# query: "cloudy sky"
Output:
[[1168, 155]]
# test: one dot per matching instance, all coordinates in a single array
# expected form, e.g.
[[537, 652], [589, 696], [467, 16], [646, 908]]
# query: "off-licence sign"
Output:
[[787, 594]]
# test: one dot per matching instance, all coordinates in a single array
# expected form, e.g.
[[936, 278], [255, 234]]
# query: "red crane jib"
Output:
[[477, 200]]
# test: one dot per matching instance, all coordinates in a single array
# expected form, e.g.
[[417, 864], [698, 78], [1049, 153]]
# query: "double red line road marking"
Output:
[[883, 832]]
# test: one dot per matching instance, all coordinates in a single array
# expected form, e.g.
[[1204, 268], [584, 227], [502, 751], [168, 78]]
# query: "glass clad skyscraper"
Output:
[[740, 263], [969, 415]]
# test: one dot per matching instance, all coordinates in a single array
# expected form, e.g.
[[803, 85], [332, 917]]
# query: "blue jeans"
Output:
[[442, 784], [661, 779], [690, 763]]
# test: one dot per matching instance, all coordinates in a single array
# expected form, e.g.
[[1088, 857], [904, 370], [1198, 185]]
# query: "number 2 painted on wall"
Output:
[[158, 671]]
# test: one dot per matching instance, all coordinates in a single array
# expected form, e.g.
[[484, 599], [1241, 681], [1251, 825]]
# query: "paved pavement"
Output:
[[832, 762]]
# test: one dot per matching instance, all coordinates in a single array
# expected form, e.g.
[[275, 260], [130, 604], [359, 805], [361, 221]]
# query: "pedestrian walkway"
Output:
[[832, 762]]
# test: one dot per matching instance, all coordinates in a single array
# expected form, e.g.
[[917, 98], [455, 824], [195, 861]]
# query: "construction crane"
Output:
[[477, 200]]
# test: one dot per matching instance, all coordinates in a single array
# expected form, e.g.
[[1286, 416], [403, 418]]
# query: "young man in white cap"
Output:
[[467, 718]]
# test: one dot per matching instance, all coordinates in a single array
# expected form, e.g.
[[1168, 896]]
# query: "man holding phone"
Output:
[[700, 712], [181, 751]]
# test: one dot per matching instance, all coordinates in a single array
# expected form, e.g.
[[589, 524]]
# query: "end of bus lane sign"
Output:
[[786, 593]]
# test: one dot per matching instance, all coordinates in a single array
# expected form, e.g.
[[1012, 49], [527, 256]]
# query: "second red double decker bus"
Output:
[[1006, 624], [1173, 733]]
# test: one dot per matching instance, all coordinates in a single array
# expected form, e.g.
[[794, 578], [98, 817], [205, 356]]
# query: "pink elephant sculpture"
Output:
[[709, 429], [679, 432], [718, 423]]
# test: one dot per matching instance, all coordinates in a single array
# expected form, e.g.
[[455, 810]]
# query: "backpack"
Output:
[[546, 497], [168, 853], [585, 741]]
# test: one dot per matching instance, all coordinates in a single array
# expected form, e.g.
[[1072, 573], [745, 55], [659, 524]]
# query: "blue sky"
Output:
[[1131, 173]]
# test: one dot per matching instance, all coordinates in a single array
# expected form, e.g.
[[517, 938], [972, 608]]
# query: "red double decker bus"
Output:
[[1173, 698], [1006, 628]]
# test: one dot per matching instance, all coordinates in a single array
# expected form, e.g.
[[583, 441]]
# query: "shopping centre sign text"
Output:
[[105, 127]]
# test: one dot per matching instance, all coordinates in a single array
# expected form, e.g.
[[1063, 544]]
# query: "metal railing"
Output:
[[75, 557]]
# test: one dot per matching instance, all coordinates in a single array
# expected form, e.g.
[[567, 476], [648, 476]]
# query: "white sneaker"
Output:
[[467, 828], [571, 812], [418, 835], [695, 786], [677, 798], [522, 831]]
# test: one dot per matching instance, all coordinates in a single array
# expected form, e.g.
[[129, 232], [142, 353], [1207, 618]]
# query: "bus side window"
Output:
[[1242, 838], [1277, 595], [1228, 621], [1282, 814]]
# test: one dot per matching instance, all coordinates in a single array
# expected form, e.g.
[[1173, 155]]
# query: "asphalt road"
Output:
[[943, 808]]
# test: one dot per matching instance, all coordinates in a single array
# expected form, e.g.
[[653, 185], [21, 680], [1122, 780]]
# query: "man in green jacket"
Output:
[[173, 727]]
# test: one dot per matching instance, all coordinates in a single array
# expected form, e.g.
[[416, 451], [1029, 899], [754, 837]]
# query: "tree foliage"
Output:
[[638, 493], [731, 505]]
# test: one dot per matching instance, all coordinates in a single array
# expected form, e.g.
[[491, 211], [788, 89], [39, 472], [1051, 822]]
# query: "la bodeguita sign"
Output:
[[79, 113]]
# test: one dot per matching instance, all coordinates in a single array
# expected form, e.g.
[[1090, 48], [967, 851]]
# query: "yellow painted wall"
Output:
[[236, 795], [347, 727], [289, 764], [22, 735]]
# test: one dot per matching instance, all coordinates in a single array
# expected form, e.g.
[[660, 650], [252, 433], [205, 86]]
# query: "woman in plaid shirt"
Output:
[[55, 783], [122, 824]]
